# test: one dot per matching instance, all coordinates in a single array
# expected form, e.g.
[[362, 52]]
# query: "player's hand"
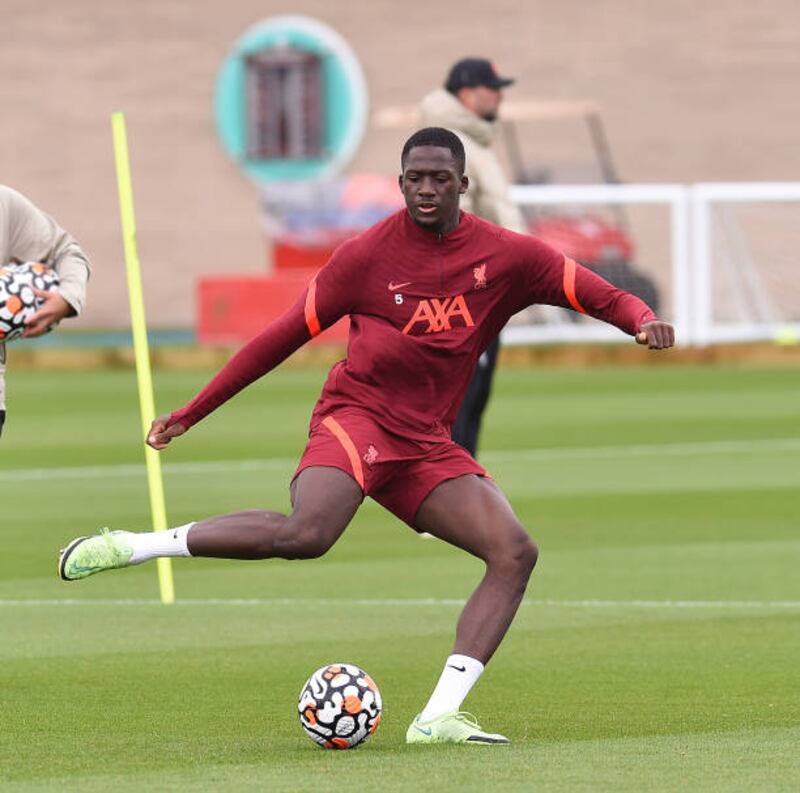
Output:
[[657, 335], [161, 432], [53, 309]]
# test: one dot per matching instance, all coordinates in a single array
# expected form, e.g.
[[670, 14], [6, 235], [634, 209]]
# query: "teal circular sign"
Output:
[[290, 101]]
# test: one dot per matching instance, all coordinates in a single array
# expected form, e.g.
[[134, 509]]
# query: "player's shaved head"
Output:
[[436, 136]]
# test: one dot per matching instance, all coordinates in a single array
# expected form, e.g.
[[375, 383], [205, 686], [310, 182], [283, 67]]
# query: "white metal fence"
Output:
[[696, 267]]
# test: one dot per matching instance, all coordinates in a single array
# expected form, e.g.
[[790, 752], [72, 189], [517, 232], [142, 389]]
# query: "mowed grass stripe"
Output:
[[692, 761], [493, 456], [406, 603], [635, 682]]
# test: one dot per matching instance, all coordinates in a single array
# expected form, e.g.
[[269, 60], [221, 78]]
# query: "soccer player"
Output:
[[426, 290]]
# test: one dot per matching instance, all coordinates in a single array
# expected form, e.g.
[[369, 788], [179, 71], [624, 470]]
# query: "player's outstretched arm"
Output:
[[162, 432], [304, 320], [657, 335]]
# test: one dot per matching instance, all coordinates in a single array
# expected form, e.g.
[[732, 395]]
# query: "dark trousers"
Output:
[[468, 422], [2, 420]]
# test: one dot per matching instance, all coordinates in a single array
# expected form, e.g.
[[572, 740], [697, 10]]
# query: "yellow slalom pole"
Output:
[[155, 479]]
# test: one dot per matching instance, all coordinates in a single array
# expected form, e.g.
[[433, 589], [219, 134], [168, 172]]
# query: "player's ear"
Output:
[[400, 182], [464, 184]]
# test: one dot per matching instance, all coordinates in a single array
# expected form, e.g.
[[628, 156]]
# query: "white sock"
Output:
[[460, 674], [149, 545]]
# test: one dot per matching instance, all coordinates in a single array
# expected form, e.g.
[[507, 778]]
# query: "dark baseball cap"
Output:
[[472, 72]]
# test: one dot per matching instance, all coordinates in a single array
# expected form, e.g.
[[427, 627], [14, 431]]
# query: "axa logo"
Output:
[[438, 315]]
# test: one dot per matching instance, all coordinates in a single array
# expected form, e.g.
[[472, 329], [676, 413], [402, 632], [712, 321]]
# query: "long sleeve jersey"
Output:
[[422, 307]]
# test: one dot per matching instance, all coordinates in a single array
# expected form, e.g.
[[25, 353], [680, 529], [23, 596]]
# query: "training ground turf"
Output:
[[658, 647]]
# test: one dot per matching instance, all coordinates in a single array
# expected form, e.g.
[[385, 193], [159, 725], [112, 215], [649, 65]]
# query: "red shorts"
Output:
[[396, 472]]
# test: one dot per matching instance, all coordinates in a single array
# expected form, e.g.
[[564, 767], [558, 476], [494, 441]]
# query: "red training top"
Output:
[[423, 307]]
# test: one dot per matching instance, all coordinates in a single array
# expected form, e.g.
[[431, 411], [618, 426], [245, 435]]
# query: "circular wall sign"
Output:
[[290, 100]]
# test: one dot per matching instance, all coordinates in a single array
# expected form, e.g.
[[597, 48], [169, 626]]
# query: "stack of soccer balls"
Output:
[[339, 706], [18, 302]]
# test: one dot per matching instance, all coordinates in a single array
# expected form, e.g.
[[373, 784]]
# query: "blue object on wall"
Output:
[[343, 90]]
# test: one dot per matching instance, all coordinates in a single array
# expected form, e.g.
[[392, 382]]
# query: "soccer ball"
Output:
[[339, 706], [18, 303]]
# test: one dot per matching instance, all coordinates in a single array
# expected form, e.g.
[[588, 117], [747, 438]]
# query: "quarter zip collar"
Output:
[[457, 235]]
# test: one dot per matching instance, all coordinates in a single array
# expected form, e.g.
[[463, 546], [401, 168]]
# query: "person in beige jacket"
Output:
[[29, 235], [468, 105]]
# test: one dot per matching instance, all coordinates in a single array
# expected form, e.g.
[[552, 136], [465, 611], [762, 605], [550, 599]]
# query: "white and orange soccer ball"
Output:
[[339, 706], [18, 303]]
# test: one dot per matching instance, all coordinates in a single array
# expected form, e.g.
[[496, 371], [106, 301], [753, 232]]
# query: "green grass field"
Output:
[[658, 648]]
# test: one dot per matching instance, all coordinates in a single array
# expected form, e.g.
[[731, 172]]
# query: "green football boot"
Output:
[[455, 727], [89, 555]]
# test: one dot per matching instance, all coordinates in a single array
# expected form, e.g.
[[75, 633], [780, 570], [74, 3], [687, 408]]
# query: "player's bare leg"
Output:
[[324, 501], [472, 513]]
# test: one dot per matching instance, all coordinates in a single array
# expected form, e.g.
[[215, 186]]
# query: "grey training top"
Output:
[[29, 235]]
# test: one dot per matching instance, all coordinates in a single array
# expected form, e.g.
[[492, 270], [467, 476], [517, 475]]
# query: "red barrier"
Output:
[[233, 309], [291, 257]]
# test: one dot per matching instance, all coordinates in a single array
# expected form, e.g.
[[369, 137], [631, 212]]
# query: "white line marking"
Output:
[[279, 463], [411, 603]]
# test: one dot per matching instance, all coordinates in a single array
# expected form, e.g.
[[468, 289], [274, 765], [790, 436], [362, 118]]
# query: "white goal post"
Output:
[[745, 284], [722, 284]]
